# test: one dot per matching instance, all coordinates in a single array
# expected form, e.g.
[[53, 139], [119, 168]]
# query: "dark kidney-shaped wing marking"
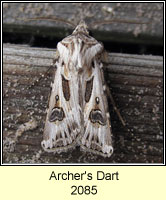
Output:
[[97, 131]]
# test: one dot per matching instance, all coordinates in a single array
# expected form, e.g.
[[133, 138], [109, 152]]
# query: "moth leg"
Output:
[[114, 105]]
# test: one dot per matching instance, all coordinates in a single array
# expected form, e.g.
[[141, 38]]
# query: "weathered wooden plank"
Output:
[[136, 83], [151, 33]]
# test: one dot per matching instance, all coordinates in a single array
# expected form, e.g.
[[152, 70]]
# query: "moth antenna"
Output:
[[50, 18], [116, 21]]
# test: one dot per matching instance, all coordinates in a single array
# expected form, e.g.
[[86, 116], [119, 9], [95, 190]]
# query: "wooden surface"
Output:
[[149, 33], [135, 81]]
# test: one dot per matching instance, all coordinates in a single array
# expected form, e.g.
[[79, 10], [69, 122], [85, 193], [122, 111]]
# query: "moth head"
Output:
[[81, 27]]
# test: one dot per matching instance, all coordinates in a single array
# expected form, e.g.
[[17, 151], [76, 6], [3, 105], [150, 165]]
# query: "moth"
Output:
[[78, 109]]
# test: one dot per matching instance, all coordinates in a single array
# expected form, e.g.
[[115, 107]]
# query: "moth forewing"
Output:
[[78, 111], [63, 121], [97, 134]]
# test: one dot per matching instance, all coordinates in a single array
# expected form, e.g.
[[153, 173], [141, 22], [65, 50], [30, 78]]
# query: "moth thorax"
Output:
[[77, 60]]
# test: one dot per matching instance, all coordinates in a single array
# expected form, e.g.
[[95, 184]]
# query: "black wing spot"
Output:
[[96, 117], [88, 91], [93, 64], [63, 63], [66, 89], [56, 98], [97, 100], [56, 114]]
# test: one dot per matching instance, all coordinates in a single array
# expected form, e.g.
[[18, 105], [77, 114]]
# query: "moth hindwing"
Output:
[[78, 110]]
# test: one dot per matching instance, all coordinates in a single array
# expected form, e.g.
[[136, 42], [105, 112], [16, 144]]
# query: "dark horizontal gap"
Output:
[[115, 47], [110, 46]]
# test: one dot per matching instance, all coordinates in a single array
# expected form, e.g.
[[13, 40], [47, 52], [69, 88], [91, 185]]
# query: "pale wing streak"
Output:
[[78, 110], [97, 137], [57, 136]]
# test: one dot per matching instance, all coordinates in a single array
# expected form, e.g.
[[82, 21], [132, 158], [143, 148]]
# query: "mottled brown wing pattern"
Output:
[[78, 112], [97, 129], [63, 121]]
